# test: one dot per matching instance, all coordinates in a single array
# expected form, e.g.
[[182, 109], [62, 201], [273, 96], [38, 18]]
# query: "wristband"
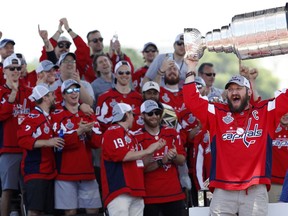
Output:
[[69, 30], [191, 73], [160, 163], [161, 73], [60, 32]]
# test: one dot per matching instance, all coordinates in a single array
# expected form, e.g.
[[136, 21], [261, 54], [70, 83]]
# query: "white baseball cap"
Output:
[[120, 63], [12, 59], [63, 39], [239, 80], [150, 85], [119, 111], [148, 106], [38, 92], [46, 65], [63, 56], [67, 83]]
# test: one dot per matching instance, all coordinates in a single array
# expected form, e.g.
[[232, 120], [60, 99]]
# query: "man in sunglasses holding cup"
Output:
[[95, 42], [163, 61]]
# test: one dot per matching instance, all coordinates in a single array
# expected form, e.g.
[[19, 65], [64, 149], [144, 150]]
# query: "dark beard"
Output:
[[242, 106], [52, 107], [171, 81], [150, 125]]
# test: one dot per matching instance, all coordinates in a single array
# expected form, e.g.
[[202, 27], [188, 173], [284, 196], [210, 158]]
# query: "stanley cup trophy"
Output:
[[250, 35]]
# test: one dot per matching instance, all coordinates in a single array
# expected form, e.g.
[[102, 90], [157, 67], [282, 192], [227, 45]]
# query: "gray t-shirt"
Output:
[[156, 65]]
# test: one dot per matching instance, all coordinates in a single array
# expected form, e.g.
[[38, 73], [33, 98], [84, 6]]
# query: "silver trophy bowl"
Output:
[[249, 35]]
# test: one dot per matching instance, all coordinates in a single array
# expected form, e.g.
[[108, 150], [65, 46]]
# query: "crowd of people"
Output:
[[87, 132]]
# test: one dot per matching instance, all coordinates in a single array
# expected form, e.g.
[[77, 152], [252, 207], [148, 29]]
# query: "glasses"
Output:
[[156, 112], [69, 61], [70, 91], [210, 74], [180, 43], [13, 68], [150, 50], [124, 72], [61, 45], [95, 40]]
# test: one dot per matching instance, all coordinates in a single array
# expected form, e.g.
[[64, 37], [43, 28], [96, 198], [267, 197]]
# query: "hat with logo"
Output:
[[119, 64], [149, 44], [64, 55], [239, 80], [45, 65], [39, 91], [150, 85], [179, 37], [119, 111], [5, 41], [149, 105], [12, 59], [22, 58], [63, 39], [67, 83]]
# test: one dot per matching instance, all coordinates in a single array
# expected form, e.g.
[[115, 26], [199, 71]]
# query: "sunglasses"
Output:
[[124, 72], [156, 112], [70, 91], [150, 50], [13, 68], [180, 43], [61, 45], [95, 40], [210, 74]]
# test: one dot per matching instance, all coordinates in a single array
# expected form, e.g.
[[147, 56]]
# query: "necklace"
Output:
[[240, 130]]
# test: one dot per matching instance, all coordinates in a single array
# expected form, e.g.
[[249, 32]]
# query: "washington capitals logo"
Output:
[[248, 134]]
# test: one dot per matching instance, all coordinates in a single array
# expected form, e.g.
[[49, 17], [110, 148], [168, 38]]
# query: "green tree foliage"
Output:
[[227, 65]]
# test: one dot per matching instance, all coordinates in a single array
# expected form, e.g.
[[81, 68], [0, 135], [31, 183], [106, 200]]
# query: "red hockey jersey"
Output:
[[238, 160], [11, 116], [120, 177], [279, 155], [162, 185], [37, 163], [108, 99], [74, 161]]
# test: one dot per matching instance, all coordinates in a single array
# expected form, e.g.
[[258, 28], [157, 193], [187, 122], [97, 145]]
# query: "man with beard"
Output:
[[163, 189], [122, 167], [163, 61], [170, 93], [37, 139], [241, 141]]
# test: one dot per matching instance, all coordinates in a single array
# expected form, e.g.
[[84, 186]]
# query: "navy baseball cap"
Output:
[[5, 41]]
